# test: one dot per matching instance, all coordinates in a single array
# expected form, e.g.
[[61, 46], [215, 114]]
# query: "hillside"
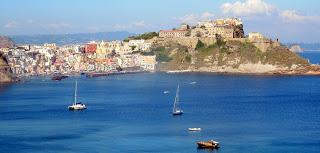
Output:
[[230, 56], [6, 42]]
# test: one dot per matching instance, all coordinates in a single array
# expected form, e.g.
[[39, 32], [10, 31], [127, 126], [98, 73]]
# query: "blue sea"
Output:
[[131, 114], [312, 56]]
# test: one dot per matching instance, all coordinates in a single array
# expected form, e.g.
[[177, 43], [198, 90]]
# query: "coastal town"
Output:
[[91, 57], [133, 54], [109, 56]]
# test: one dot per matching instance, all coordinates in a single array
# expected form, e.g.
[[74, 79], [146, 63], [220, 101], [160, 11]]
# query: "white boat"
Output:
[[192, 83], [176, 109], [194, 129], [76, 105], [165, 92]]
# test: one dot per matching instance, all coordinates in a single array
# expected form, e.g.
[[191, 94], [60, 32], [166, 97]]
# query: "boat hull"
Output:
[[59, 78], [208, 145], [77, 107], [194, 129], [177, 113]]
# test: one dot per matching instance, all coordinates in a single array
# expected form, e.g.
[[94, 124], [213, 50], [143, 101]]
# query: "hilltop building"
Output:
[[226, 28], [255, 36], [173, 33]]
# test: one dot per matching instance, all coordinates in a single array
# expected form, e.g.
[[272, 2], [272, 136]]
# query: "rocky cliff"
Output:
[[5, 74], [231, 57]]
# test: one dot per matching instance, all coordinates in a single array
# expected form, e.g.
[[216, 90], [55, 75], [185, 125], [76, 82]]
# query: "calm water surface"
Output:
[[131, 114], [312, 56]]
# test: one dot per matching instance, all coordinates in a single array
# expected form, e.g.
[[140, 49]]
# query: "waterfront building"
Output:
[[91, 47], [148, 62], [139, 45]]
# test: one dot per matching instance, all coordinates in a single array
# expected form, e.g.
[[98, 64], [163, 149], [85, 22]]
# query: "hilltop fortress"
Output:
[[207, 32], [221, 46]]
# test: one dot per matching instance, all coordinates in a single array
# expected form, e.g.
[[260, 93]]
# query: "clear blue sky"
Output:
[[289, 20]]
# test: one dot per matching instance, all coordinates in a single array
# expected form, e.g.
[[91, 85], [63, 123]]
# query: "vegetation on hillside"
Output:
[[171, 56], [200, 45], [225, 53], [145, 36]]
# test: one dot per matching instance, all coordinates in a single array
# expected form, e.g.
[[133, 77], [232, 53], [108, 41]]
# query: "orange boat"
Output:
[[208, 144]]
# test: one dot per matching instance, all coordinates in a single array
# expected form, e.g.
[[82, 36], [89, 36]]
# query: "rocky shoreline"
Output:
[[312, 70]]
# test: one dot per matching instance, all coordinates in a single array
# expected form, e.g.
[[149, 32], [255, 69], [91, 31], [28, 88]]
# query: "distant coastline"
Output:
[[72, 38]]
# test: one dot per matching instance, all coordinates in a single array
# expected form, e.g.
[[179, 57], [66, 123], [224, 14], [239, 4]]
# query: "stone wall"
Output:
[[262, 44], [188, 41]]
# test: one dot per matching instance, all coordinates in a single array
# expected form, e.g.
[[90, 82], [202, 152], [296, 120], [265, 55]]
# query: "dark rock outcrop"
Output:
[[5, 72]]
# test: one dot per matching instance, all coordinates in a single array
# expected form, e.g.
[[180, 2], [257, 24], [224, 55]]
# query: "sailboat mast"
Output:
[[177, 95], [176, 100], [75, 93]]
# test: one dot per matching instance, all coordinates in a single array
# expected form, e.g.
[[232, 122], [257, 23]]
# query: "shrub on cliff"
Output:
[[200, 45], [188, 58], [144, 36], [162, 57]]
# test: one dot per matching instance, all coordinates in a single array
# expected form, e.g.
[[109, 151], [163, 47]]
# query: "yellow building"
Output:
[[223, 31], [102, 48]]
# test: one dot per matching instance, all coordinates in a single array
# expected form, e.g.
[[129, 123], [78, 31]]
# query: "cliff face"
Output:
[[231, 56], [5, 74], [6, 42]]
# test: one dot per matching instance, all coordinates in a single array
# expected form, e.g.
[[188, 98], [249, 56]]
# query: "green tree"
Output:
[[188, 58], [200, 45]]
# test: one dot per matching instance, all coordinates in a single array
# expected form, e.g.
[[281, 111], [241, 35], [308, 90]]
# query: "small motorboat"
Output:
[[194, 129], [165, 92], [192, 83], [59, 77], [208, 144]]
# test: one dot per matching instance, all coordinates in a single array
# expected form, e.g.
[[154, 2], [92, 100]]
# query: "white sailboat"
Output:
[[76, 105], [176, 109]]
